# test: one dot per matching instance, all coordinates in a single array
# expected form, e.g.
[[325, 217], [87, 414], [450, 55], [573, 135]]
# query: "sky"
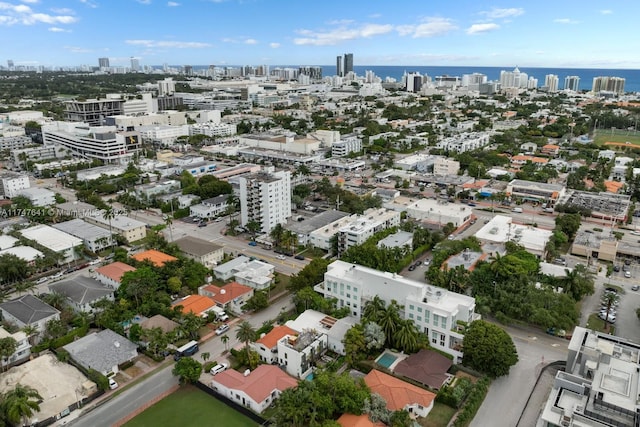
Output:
[[560, 33]]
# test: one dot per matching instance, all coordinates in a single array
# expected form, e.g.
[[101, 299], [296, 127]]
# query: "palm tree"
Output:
[[169, 222], [20, 404], [109, 214], [610, 299], [246, 333], [390, 321], [8, 347], [225, 341], [374, 309], [205, 356], [191, 324], [406, 337], [55, 300], [232, 206], [30, 331]]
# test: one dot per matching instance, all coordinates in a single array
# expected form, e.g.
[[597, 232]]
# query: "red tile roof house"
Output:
[[256, 390], [230, 297], [197, 304], [400, 395], [111, 274]]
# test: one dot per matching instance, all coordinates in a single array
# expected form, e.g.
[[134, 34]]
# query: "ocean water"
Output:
[[632, 77]]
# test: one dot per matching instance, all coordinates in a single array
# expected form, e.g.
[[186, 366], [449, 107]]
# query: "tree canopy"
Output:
[[489, 349]]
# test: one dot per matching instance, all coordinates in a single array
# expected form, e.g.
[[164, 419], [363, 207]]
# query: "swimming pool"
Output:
[[386, 360]]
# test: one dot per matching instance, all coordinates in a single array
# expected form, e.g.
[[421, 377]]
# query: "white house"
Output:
[[297, 352], [28, 310], [23, 347]]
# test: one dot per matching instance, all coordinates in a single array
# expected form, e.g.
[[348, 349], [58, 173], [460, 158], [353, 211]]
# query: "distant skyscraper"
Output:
[[572, 83], [314, 73], [348, 63], [339, 69], [515, 78], [135, 64], [551, 82], [103, 63], [188, 70], [10, 64], [608, 84]]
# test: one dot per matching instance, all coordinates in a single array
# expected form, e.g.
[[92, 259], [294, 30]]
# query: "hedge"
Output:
[[473, 402], [455, 396], [62, 341]]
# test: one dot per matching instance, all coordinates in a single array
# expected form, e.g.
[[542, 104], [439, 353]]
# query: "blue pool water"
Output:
[[309, 377], [386, 360]]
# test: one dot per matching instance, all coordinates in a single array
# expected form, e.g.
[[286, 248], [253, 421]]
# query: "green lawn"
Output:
[[623, 136], [597, 324], [190, 407], [439, 416]]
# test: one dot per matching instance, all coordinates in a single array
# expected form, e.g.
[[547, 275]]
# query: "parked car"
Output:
[[427, 262], [412, 267], [611, 318], [220, 367], [627, 274], [252, 243], [298, 257], [113, 384], [635, 287], [616, 268], [222, 329], [202, 224], [281, 256]]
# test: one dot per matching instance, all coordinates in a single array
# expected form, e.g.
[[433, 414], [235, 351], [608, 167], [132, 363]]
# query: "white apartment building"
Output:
[[513, 79], [464, 142], [265, 197], [364, 226], [346, 146], [39, 196], [164, 118], [95, 238], [435, 311], [13, 183], [213, 129], [131, 229], [143, 105], [417, 162], [166, 87], [535, 191], [55, 240], [100, 143], [551, 82], [164, 135], [281, 142], [445, 166]]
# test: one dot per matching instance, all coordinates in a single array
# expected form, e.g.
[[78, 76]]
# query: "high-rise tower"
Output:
[[348, 63], [572, 83], [103, 63], [339, 69]]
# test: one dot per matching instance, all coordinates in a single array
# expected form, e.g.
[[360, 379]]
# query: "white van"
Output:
[[516, 210]]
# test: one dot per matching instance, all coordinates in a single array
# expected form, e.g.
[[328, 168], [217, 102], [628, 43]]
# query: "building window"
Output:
[[427, 314], [410, 315], [419, 309], [442, 340], [411, 307], [443, 322], [419, 318], [436, 320], [434, 337]]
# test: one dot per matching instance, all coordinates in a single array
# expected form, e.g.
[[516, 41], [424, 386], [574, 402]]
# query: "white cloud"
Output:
[[251, 41], [341, 34], [173, 4], [565, 21], [144, 1], [30, 1], [498, 13], [274, 45], [482, 28], [606, 11], [89, 3], [77, 49], [59, 30], [431, 27], [168, 44], [23, 14], [63, 11]]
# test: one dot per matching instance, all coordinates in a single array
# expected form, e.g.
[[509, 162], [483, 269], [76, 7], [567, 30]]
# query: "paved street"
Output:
[[135, 396], [508, 395]]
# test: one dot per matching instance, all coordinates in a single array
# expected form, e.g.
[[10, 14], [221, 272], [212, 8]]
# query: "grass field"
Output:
[[190, 407], [439, 416], [602, 136]]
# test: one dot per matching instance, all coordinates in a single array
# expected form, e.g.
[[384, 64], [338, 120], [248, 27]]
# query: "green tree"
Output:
[[568, 224], [578, 282], [374, 309], [12, 269], [139, 284], [157, 341], [354, 344], [488, 349], [374, 336], [246, 334], [109, 214], [21, 403], [188, 370], [190, 325], [8, 346], [610, 299], [406, 337]]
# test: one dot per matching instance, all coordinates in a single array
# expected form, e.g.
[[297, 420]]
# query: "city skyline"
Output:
[[567, 34]]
